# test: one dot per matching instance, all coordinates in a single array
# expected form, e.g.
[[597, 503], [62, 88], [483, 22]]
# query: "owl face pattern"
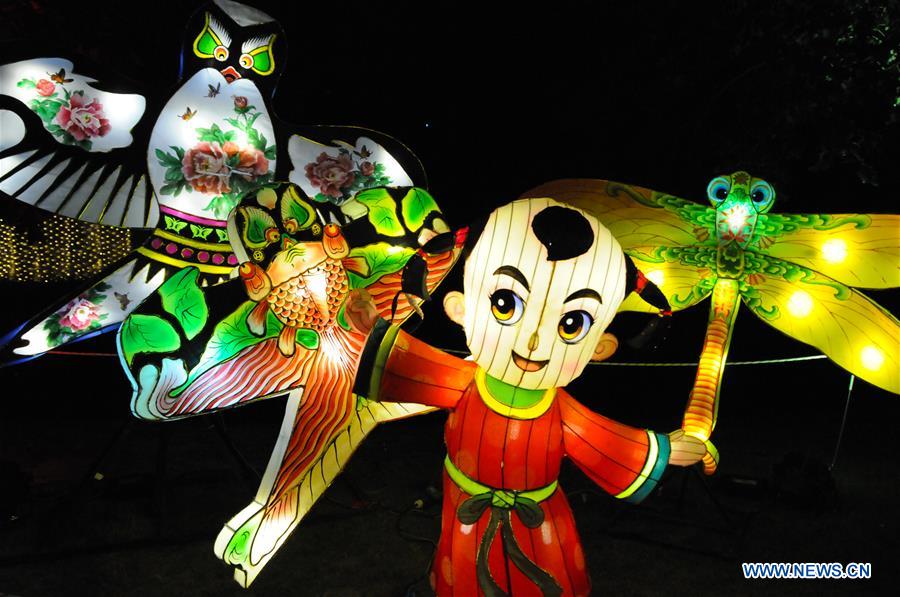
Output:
[[239, 41]]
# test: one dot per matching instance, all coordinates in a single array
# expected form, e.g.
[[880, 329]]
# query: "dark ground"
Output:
[[363, 539], [802, 94]]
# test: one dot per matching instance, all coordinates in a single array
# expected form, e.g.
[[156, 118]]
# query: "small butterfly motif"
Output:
[[188, 114], [59, 77], [200, 232], [123, 299], [173, 224], [214, 91]]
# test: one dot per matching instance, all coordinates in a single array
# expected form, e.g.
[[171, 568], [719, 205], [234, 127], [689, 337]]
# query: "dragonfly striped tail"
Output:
[[703, 403]]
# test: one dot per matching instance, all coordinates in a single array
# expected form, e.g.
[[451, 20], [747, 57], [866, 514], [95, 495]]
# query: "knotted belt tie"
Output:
[[501, 501]]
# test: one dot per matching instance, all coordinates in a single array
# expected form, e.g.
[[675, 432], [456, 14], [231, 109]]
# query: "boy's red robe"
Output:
[[508, 459]]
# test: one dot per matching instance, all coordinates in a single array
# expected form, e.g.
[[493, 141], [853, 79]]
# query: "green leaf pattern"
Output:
[[381, 258], [147, 333], [182, 298], [416, 206], [382, 211]]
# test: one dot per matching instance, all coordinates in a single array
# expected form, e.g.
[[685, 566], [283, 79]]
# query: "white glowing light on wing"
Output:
[[800, 304], [834, 250], [872, 358], [656, 276], [737, 218]]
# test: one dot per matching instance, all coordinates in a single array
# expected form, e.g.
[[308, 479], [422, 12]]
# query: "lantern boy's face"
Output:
[[541, 285]]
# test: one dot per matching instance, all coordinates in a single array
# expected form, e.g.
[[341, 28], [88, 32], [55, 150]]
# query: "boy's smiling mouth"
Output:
[[527, 364]]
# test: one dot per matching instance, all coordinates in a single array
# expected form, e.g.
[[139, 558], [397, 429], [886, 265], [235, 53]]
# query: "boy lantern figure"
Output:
[[541, 285]]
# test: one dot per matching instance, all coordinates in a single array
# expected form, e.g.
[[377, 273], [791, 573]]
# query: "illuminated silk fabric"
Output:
[[507, 527], [102, 157], [796, 272], [281, 329]]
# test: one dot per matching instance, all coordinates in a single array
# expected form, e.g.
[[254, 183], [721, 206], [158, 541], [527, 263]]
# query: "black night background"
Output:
[[664, 95]]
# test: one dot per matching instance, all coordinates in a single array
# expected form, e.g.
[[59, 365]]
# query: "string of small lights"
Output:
[[59, 248]]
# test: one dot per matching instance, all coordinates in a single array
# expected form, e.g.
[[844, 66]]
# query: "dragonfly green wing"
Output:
[[861, 250], [686, 275], [851, 329], [636, 216]]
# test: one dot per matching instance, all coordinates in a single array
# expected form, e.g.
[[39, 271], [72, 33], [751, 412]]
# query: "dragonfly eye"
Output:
[[718, 189], [761, 194], [221, 53]]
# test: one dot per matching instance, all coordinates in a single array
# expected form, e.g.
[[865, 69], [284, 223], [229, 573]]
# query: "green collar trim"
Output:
[[511, 401], [510, 395]]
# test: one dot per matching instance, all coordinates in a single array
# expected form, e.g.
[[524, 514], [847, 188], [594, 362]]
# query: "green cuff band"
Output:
[[658, 466]]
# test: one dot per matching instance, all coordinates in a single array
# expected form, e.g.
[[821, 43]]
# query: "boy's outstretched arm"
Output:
[[625, 461], [395, 367]]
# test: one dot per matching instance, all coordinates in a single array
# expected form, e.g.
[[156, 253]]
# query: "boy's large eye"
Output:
[[574, 325], [507, 306]]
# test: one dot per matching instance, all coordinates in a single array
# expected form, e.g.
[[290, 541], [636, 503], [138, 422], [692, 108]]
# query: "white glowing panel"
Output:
[[15, 182], [335, 173], [71, 109], [104, 304], [212, 142], [12, 129]]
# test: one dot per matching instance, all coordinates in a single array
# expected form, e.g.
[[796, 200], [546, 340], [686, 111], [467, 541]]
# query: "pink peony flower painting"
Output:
[[330, 174], [208, 166], [205, 168], [79, 314], [82, 119], [251, 161]]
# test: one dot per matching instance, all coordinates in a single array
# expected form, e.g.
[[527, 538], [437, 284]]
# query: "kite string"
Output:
[[814, 357], [463, 353], [837, 446]]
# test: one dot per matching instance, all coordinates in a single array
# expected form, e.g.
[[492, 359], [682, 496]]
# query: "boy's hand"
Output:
[[685, 449], [360, 310]]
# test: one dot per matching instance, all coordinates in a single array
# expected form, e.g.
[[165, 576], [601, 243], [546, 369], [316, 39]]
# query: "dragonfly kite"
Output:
[[797, 272]]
